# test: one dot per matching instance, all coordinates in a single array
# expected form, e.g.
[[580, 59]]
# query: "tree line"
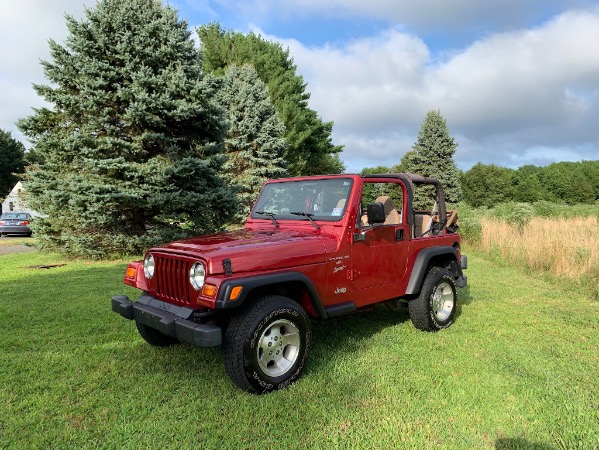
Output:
[[565, 182], [487, 185]]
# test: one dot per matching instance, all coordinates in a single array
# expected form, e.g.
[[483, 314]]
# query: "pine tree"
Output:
[[433, 157], [254, 144], [12, 162], [310, 150], [129, 153]]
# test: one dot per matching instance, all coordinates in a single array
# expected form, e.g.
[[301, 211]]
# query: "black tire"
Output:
[[435, 307], [155, 337], [266, 344]]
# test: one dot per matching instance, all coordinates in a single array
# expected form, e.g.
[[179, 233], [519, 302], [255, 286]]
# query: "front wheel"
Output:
[[435, 307], [266, 344]]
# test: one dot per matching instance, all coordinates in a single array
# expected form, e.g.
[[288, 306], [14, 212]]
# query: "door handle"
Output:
[[357, 237]]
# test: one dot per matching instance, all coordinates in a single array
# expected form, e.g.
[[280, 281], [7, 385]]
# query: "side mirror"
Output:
[[376, 213]]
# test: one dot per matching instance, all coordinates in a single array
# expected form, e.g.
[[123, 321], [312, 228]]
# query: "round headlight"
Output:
[[149, 266], [196, 275]]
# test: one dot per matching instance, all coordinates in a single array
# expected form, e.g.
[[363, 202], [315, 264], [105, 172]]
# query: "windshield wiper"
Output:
[[308, 215], [269, 214]]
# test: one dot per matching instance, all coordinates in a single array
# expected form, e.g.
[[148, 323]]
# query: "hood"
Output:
[[251, 250]]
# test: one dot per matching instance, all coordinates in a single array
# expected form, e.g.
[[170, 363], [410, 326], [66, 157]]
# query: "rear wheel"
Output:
[[266, 344], [435, 307], [155, 337]]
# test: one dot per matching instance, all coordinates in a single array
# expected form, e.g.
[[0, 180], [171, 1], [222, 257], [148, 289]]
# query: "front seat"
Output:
[[392, 217]]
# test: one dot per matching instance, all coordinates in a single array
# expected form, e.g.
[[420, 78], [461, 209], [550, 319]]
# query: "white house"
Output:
[[17, 201]]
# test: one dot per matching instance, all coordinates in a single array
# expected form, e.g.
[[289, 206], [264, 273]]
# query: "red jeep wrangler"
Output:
[[312, 247]]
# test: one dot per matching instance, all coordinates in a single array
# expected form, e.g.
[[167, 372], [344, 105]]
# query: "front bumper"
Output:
[[171, 320]]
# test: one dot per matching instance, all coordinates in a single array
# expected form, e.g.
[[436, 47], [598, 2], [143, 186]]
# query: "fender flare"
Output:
[[260, 281], [421, 264]]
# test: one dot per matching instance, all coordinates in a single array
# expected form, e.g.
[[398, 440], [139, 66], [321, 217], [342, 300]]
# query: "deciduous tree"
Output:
[[487, 185], [12, 162], [526, 185]]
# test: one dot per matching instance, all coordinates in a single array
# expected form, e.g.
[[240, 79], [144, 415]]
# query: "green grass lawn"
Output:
[[7, 241], [518, 369]]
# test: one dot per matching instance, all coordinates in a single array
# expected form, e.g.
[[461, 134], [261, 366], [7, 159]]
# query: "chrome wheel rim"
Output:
[[442, 301], [278, 348]]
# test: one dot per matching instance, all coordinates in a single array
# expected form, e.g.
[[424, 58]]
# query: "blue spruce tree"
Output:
[[130, 150], [255, 142]]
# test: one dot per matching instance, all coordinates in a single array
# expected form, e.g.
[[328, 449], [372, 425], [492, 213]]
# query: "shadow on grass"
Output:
[[345, 334], [464, 296], [339, 336], [520, 444], [464, 299]]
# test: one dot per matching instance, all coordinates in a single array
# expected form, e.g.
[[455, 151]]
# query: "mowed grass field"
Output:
[[8, 241], [518, 370]]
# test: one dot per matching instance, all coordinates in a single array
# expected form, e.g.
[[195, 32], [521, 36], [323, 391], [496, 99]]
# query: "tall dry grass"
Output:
[[564, 247]]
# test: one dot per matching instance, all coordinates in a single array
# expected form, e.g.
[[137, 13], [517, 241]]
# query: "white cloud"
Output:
[[25, 28], [367, 79], [509, 92], [522, 72]]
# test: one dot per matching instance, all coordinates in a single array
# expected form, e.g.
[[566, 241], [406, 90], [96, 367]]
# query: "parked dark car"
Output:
[[16, 223]]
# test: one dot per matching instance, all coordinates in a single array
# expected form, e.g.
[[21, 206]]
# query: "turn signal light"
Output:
[[130, 273], [235, 292], [209, 291]]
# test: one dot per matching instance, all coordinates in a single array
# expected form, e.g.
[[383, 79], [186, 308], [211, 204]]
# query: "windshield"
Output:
[[13, 216], [322, 199]]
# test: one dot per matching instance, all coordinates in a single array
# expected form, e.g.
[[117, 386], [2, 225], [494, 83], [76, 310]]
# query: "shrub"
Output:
[[470, 225], [513, 213]]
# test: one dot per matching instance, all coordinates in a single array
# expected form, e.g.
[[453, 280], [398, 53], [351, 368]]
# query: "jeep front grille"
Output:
[[172, 279]]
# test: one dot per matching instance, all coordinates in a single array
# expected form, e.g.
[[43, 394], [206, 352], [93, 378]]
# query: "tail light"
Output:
[[2, 222], [25, 222]]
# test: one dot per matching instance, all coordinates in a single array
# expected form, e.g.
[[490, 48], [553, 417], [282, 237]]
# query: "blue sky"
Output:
[[516, 80], [314, 26]]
